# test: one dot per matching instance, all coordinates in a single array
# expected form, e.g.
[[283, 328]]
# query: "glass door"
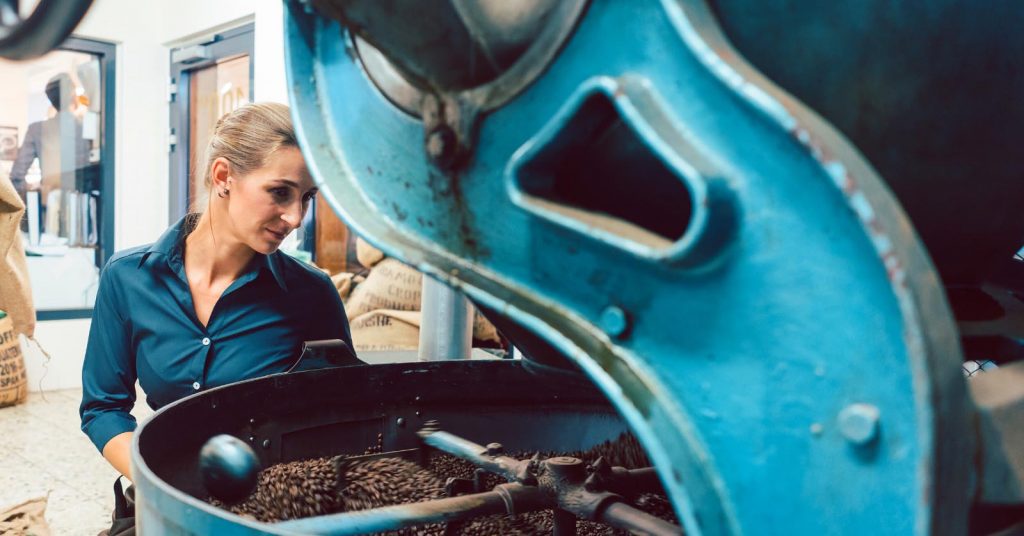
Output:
[[56, 148], [207, 81]]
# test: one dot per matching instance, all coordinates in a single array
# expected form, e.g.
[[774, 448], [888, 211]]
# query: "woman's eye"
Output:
[[280, 193]]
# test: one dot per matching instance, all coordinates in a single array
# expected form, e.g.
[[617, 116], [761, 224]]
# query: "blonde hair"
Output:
[[246, 137]]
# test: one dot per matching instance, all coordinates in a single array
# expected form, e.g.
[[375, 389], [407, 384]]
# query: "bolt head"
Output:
[[566, 467], [614, 321], [859, 423]]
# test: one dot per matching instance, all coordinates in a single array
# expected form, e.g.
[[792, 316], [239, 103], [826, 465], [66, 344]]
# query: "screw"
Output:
[[266, 443], [252, 439], [859, 423], [418, 414], [614, 321], [252, 422]]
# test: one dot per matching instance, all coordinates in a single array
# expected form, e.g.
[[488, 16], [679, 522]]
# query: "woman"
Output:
[[212, 301]]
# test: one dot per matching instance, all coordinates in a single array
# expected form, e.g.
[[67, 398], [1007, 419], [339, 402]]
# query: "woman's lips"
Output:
[[277, 235]]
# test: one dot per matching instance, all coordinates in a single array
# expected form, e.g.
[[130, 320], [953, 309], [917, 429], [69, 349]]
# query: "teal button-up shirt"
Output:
[[144, 327]]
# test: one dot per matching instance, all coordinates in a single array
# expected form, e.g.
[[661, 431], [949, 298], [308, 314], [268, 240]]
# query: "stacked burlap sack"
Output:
[[384, 305], [17, 314]]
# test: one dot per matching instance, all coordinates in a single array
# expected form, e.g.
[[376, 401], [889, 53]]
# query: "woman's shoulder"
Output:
[[299, 272], [125, 258]]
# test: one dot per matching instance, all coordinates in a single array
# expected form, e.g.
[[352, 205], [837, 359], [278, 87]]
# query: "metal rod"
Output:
[[473, 453], [625, 481], [400, 516], [446, 324], [623, 516], [564, 523]]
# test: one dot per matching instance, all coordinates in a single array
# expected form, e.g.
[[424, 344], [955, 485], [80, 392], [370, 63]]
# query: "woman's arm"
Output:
[[118, 450], [108, 375]]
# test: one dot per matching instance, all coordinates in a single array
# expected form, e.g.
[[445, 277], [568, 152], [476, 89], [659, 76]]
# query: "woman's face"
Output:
[[269, 203]]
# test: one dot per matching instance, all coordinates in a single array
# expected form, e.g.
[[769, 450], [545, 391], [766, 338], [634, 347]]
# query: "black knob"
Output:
[[229, 468]]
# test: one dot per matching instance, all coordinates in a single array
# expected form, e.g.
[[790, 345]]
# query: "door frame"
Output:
[[238, 41], [107, 54]]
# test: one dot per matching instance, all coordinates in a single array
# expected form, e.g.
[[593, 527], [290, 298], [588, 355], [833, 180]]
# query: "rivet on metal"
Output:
[[859, 423], [400, 422], [266, 443], [614, 321]]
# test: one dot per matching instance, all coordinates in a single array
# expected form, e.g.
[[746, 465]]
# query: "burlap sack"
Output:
[[389, 285], [15, 292], [366, 254], [376, 307], [345, 282], [25, 519], [13, 382], [386, 330]]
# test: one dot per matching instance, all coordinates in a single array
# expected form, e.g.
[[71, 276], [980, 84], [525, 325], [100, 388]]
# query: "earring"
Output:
[[223, 193]]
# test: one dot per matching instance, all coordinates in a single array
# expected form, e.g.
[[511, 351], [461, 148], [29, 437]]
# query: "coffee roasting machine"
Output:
[[764, 237]]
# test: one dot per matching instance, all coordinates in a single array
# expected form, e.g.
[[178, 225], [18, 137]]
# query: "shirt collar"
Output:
[[171, 245]]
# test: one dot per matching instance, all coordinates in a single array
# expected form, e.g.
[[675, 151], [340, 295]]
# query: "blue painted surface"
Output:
[[809, 292], [736, 366]]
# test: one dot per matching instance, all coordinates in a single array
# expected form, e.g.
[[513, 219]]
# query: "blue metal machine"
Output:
[[740, 220], [768, 232], [621, 188]]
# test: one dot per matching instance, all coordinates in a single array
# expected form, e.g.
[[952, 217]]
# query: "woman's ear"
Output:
[[220, 175]]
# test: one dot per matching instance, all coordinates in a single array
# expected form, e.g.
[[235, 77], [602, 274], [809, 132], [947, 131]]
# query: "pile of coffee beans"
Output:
[[384, 482], [292, 490], [529, 524], [624, 451], [331, 485]]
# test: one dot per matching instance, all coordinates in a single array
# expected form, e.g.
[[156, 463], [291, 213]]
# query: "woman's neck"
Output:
[[212, 255]]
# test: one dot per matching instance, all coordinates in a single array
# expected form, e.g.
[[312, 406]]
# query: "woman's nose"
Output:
[[293, 216]]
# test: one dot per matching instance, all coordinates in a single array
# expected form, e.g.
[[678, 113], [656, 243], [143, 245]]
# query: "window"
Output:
[[56, 146]]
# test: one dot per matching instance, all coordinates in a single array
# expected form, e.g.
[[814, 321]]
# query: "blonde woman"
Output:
[[212, 301]]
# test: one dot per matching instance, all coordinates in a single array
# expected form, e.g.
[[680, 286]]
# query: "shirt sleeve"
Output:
[[26, 154], [108, 375]]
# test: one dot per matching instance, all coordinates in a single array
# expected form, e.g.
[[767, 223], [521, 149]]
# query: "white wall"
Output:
[[13, 96], [144, 32]]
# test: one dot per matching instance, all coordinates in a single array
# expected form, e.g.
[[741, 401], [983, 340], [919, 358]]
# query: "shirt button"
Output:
[[206, 342], [195, 385]]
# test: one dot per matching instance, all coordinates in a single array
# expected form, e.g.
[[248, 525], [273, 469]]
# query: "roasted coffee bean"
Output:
[[330, 485]]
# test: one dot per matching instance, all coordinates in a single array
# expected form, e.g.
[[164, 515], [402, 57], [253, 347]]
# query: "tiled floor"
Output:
[[42, 450]]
